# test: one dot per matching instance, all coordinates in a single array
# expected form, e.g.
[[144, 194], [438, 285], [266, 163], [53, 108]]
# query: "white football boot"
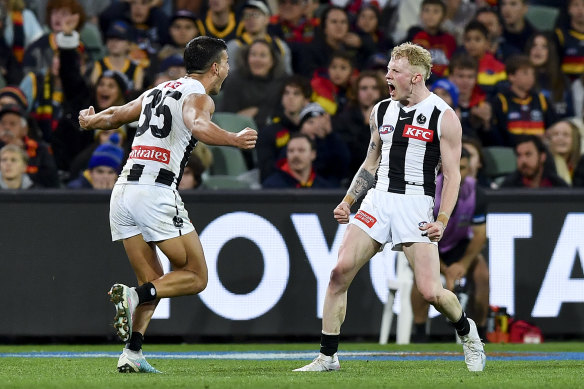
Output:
[[322, 363], [134, 362], [125, 300], [474, 353]]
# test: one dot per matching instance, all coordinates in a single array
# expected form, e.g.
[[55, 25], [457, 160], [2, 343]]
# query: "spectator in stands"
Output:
[[474, 110], [254, 89], [21, 27], [330, 85], [118, 41], [521, 110], [476, 161], [476, 43], [102, 170], [368, 27], [531, 170], [458, 14], [39, 56], [550, 80], [13, 165], [148, 27], [332, 35], [256, 18], [171, 68], [353, 124], [516, 28], [578, 96], [578, 179], [14, 130], [332, 154], [446, 90], [432, 37], [500, 48], [192, 176], [220, 20], [294, 96], [571, 40], [297, 171], [183, 28], [10, 70], [11, 95], [460, 251], [292, 24], [564, 144]]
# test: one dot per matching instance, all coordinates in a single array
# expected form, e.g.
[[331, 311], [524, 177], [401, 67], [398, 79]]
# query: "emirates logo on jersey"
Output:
[[150, 153], [418, 133]]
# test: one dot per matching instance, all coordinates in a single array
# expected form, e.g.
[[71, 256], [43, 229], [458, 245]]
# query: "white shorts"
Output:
[[394, 218], [154, 211]]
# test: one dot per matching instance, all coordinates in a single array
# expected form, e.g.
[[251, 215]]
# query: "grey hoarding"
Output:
[[269, 258]]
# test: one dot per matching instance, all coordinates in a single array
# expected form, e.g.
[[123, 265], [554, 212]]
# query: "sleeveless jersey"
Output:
[[410, 149], [163, 143]]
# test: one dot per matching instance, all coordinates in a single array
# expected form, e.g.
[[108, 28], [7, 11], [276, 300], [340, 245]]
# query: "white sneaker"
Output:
[[134, 362], [322, 363], [474, 353], [125, 300]]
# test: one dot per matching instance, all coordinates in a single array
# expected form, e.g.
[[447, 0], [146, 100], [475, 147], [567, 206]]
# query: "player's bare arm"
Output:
[[365, 177], [197, 112], [111, 118], [450, 146]]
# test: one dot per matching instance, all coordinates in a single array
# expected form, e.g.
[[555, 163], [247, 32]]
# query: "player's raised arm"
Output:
[[365, 177], [111, 118], [197, 111]]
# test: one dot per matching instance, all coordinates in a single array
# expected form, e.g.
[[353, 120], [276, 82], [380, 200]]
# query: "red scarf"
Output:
[[18, 41]]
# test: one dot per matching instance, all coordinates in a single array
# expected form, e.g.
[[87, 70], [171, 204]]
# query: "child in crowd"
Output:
[[330, 87]]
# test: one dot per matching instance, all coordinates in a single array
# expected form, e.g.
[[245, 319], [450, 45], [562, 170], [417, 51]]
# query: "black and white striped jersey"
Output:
[[410, 149], [163, 143]]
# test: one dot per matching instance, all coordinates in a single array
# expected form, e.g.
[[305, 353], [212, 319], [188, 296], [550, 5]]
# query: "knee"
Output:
[[197, 283], [338, 280], [428, 293]]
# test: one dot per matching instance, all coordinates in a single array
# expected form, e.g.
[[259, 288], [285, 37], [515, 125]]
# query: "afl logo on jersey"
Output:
[[386, 129]]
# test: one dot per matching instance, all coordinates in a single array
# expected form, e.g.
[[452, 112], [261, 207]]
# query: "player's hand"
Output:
[[342, 213], [85, 116], [246, 138], [432, 230]]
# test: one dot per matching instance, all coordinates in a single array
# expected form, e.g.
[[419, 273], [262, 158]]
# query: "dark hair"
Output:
[[435, 2], [342, 54], [489, 10], [242, 59], [516, 62], [536, 140], [477, 145], [323, 17], [72, 5], [475, 25], [202, 52], [296, 135], [380, 84], [464, 153], [299, 82], [462, 61], [551, 68]]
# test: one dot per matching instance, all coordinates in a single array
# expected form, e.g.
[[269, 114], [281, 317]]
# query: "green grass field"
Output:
[[538, 370]]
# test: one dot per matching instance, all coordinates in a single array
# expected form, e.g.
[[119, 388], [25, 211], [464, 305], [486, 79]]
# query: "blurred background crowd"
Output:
[[306, 74]]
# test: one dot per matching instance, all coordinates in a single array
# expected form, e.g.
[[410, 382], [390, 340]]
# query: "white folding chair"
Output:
[[402, 284]]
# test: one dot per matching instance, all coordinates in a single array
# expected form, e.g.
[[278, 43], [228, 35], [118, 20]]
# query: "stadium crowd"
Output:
[[297, 67]]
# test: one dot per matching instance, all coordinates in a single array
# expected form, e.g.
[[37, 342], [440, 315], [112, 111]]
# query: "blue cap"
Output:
[[107, 154], [449, 87]]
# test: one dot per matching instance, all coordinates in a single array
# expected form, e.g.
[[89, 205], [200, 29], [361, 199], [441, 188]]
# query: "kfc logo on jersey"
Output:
[[173, 84], [386, 129], [150, 153], [366, 218], [418, 133]]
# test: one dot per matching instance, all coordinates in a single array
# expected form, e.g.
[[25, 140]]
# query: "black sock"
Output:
[[329, 344], [482, 332], [136, 341], [146, 293], [462, 326], [420, 329]]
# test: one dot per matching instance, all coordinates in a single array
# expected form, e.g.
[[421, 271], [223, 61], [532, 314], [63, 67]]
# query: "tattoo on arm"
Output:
[[372, 146], [362, 182]]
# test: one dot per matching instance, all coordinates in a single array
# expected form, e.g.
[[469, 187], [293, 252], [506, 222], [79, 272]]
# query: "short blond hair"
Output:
[[10, 148], [416, 55]]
